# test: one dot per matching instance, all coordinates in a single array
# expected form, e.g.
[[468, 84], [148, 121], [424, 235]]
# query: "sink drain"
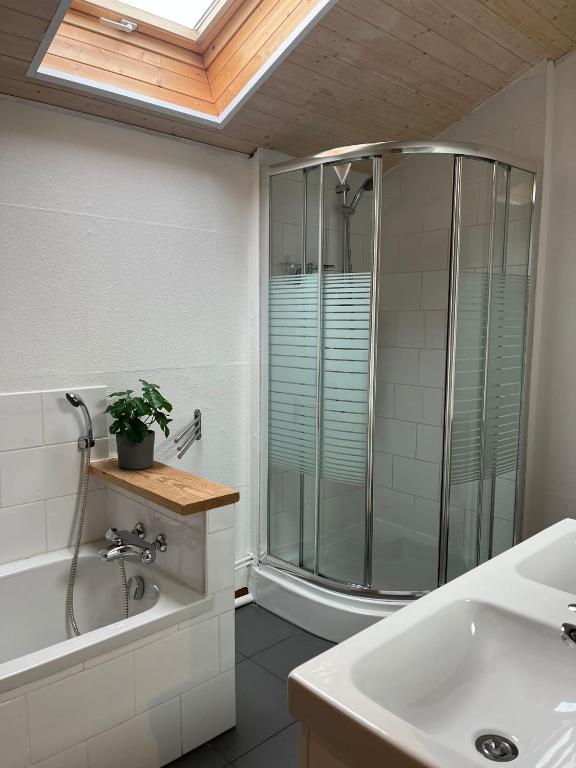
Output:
[[497, 748]]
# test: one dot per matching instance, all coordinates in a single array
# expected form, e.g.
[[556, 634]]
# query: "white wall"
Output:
[[122, 255], [551, 487]]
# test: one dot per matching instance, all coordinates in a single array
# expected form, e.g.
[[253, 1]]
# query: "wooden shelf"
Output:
[[172, 488]]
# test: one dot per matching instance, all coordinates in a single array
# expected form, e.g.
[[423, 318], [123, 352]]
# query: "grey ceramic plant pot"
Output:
[[135, 455]]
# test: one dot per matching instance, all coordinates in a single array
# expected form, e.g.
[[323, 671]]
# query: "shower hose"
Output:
[[77, 542]]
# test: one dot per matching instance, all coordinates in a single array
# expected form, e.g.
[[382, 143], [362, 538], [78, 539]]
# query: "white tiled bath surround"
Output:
[[147, 702], [154, 698]]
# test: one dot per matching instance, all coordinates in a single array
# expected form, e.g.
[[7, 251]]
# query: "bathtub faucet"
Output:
[[132, 544]]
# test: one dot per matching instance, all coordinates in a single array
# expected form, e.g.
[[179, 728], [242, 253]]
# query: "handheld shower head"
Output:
[[87, 440], [74, 399], [366, 186]]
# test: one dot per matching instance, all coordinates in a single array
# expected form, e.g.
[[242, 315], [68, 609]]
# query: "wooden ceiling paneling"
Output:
[[370, 70]]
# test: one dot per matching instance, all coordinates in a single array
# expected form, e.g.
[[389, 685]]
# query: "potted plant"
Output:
[[133, 415]]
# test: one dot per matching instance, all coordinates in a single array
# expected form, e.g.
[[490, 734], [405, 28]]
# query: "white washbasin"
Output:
[[483, 655], [553, 565]]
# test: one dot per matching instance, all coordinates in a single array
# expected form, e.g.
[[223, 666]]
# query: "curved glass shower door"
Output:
[[490, 335], [395, 364], [320, 303]]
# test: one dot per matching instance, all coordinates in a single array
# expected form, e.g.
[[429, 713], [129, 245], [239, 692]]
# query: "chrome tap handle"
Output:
[[113, 537]]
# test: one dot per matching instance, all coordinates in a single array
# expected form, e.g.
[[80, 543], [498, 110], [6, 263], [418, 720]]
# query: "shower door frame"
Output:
[[375, 153]]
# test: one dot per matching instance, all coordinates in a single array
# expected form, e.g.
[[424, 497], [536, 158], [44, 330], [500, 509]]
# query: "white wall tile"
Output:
[[522, 103], [50, 471], [290, 491], [398, 366], [435, 329], [185, 554], [408, 402], [475, 239], [425, 172], [221, 518], [63, 423], [417, 477], [331, 515], [68, 712], [505, 498], [383, 469], [23, 531], [127, 511], [429, 443], [170, 666], [62, 518], [207, 711], [219, 560], [432, 367], [503, 536], [77, 757], [387, 329], [433, 406], [401, 291], [402, 213], [438, 209], [390, 506], [424, 251], [427, 516], [435, 290], [150, 740], [14, 734], [20, 421], [227, 644], [389, 255], [410, 329], [395, 437], [528, 141], [384, 399]]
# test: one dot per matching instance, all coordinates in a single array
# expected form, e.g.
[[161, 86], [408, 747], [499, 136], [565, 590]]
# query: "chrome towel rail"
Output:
[[190, 434]]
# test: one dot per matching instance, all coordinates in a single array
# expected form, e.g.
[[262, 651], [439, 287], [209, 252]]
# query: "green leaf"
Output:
[[132, 416]]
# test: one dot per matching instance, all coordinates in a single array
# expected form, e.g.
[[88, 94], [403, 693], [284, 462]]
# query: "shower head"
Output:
[[74, 399], [366, 186], [87, 440]]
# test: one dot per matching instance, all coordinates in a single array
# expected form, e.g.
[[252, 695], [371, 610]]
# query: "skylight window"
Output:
[[185, 13]]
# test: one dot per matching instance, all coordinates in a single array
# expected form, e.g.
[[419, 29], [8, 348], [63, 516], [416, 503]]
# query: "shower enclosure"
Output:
[[395, 346]]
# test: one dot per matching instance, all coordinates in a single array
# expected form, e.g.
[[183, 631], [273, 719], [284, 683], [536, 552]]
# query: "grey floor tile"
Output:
[[203, 757], [283, 657], [257, 629], [239, 657], [261, 708], [281, 751]]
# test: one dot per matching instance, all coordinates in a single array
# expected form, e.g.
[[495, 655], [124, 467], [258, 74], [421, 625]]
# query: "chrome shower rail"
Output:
[[376, 153], [380, 149]]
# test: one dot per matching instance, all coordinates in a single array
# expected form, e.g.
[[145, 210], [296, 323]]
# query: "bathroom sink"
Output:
[[554, 565], [477, 669]]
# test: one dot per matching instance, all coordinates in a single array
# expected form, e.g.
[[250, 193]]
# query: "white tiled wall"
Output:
[[188, 248], [40, 467], [411, 348]]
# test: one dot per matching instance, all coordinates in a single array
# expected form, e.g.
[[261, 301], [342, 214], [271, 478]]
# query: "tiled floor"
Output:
[[266, 735]]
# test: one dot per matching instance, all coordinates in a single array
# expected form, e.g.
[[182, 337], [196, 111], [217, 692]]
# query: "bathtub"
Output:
[[36, 640]]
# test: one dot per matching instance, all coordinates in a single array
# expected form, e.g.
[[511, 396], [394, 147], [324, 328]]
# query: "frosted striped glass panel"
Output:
[[469, 376], [292, 372], [505, 375], [292, 365], [346, 340]]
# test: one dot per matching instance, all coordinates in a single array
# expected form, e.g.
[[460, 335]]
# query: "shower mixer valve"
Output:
[[132, 544]]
